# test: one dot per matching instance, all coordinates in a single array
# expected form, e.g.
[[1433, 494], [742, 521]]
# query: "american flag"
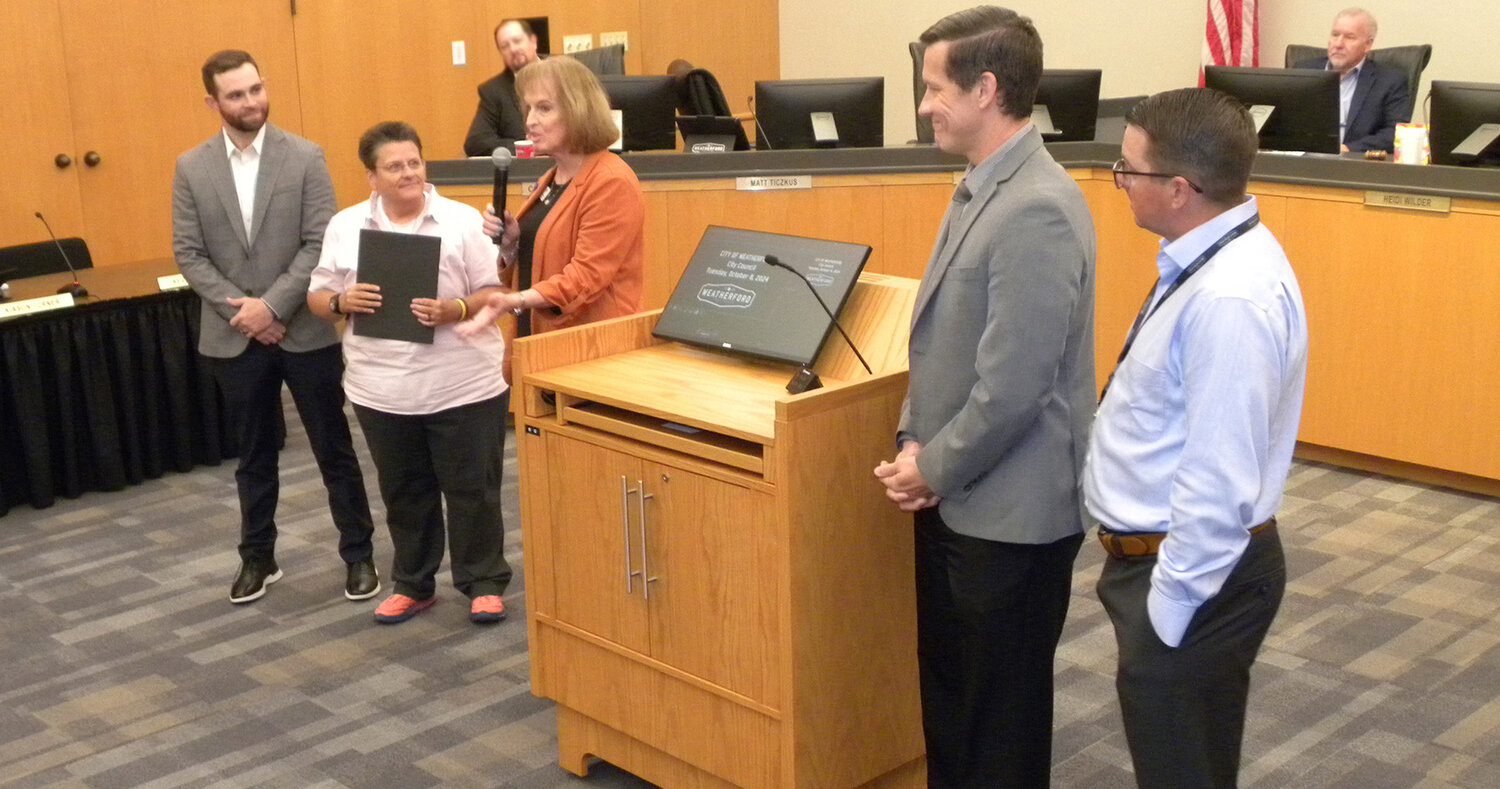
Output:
[[1232, 36]]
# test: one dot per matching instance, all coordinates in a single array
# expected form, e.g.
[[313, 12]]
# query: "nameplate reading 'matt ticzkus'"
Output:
[[1410, 202], [765, 183]]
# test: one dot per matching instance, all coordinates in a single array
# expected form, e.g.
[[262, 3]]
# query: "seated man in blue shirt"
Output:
[[1193, 440], [1372, 98]]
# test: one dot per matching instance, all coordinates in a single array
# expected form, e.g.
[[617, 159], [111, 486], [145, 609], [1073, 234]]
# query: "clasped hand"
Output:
[[903, 481]]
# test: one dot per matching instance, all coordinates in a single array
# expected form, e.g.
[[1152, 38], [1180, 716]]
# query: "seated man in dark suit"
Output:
[[499, 120], [1372, 98]]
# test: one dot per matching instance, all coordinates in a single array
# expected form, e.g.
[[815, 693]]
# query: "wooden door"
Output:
[[596, 541], [714, 603], [136, 96], [365, 61], [37, 126]]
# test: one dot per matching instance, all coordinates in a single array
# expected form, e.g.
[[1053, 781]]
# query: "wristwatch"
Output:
[[333, 305]]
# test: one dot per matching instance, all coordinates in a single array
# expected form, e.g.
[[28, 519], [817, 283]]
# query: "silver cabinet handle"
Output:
[[625, 492], [646, 577]]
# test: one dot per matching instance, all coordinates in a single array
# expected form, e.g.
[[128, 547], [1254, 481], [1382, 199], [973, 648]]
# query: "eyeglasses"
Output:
[[397, 168], [1119, 170]]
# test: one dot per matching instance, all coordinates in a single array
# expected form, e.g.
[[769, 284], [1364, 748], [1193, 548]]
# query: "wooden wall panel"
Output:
[[1401, 363], [137, 99], [36, 124], [913, 215], [365, 61], [739, 42]]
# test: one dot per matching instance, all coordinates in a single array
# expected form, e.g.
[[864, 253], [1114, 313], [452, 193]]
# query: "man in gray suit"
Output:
[[248, 211], [995, 423]]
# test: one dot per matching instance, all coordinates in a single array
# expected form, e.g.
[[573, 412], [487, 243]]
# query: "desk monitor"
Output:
[[820, 113], [1067, 101], [1295, 109], [648, 106], [729, 298], [1465, 123]]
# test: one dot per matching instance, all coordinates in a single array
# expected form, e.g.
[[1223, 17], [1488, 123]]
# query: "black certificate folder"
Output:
[[405, 266]]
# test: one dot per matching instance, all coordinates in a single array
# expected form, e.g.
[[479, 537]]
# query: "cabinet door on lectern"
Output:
[[596, 553], [714, 600]]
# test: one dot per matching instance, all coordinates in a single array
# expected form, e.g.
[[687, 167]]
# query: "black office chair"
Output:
[[924, 125], [698, 93], [42, 257], [1411, 59], [604, 60]]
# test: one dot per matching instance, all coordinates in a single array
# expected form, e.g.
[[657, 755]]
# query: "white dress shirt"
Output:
[[408, 377], [1195, 436], [245, 166]]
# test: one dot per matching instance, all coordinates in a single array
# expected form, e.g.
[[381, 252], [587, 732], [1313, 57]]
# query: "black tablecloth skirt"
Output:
[[105, 396]]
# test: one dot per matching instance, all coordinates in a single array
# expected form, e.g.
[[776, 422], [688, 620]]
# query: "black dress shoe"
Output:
[[252, 581], [363, 582]]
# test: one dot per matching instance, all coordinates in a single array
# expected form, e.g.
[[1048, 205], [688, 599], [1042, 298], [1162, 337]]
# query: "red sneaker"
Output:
[[487, 609], [399, 608]]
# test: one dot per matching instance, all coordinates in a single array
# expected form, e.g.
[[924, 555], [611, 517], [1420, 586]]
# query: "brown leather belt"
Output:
[[1123, 544]]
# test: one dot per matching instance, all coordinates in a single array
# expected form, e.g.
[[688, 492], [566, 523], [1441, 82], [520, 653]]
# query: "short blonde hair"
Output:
[[580, 100]]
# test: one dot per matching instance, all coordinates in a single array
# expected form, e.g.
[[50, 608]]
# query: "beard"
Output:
[[248, 123]]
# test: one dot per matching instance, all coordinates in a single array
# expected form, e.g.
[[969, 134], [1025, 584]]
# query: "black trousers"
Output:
[[251, 383], [989, 616], [1184, 708], [424, 460]]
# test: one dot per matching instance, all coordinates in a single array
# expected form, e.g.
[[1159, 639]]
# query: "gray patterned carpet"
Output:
[[122, 663]]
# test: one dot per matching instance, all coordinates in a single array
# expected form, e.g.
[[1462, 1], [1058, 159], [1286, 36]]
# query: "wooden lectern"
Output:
[[719, 593]]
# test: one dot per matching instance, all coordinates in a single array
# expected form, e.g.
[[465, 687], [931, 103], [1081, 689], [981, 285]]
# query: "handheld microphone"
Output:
[[772, 260], [76, 288], [760, 131], [501, 157]]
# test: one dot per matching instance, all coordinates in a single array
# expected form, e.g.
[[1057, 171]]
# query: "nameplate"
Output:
[[527, 187], [1410, 202], [766, 183], [16, 309], [171, 282]]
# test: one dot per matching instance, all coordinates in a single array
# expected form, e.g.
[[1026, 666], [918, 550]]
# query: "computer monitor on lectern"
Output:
[[820, 113], [1465, 123], [1295, 109]]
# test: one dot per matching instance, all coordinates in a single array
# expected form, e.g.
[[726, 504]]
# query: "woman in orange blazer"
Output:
[[574, 253]]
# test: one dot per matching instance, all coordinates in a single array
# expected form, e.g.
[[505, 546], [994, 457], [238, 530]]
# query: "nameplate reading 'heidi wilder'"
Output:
[[171, 282], [16, 309], [1411, 202], [766, 183]]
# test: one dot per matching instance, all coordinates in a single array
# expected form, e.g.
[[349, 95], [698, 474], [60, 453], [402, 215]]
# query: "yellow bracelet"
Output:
[[463, 309]]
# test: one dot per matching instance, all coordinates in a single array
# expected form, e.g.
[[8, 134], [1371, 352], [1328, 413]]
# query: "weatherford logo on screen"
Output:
[[726, 295]]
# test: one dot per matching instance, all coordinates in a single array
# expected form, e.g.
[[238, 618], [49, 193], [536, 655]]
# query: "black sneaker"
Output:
[[252, 581], [363, 582]]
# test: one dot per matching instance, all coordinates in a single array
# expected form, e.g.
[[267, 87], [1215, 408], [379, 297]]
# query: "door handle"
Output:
[[625, 492], [91, 158], [646, 577], [62, 161]]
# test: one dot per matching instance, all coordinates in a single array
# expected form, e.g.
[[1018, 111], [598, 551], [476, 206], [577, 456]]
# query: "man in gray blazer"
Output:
[[995, 423], [248, 211]]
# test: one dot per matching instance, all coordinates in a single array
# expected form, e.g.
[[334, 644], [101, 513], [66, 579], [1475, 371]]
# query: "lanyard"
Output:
[[1149, 308]]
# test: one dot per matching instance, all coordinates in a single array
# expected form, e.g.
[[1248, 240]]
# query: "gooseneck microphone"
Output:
[[760, 131], [76, 288], [501, 157], [772, 260]]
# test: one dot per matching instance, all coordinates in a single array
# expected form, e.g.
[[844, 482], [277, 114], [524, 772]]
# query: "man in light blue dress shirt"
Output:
[[1193, 440]]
